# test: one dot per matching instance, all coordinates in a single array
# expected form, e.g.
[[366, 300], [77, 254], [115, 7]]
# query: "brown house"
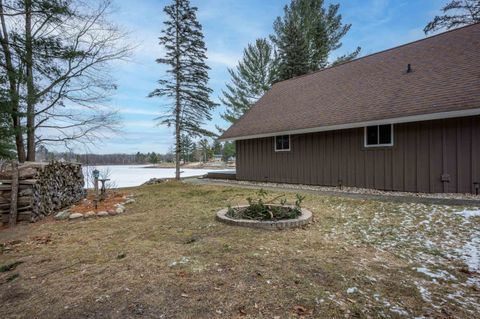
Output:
[[404, 119]]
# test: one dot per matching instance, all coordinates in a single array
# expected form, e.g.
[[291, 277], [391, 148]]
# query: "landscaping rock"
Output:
[[62, 215], [129, 201], [154, 181], [75, 216], [112, 212], [90, 214], [102, 214], [119, 208]]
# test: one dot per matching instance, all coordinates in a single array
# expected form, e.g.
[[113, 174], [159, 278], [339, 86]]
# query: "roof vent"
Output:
[[409, 68]]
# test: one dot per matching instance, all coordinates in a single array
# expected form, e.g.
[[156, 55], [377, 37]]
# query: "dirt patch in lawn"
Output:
[[88, 204], [169, 258]]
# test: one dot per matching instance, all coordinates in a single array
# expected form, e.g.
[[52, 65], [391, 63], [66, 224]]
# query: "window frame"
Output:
[[289, 143], [378, 137]]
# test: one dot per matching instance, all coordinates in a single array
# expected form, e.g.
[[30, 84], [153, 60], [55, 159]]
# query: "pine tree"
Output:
[[292, 46], [251, 78], [306, 36], [186, 147], [187, 83], [204, 149], [228, 151], [6, 133], [153, 158], [463, 12], [217, 147]]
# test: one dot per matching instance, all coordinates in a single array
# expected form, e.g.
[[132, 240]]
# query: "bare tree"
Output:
[[456, 13], [61, 51]]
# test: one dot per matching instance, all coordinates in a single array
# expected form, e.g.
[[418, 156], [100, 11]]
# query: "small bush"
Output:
[[261, 209]]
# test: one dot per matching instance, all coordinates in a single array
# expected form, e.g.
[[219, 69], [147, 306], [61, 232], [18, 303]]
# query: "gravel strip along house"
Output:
[[404, 119]]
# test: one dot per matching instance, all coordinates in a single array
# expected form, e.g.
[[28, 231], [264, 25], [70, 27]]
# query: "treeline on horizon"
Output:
[[201, 151]]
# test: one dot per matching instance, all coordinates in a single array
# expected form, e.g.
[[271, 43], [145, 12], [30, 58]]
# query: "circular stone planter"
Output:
[[302, 220]]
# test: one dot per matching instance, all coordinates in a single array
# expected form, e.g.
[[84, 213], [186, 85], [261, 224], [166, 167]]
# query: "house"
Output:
[[404, 119]]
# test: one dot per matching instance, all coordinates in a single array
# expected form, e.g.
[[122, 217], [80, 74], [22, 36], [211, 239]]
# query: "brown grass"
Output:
[[168, 258]]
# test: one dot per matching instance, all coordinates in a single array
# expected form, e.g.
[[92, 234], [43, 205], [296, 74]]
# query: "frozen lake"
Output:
[[135, 175]]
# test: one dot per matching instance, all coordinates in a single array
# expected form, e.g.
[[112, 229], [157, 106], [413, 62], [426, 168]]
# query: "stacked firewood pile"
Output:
[[43, 189]]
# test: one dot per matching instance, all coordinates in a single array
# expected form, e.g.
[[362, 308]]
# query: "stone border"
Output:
[[376, 195], [304, 219], [118, 208]]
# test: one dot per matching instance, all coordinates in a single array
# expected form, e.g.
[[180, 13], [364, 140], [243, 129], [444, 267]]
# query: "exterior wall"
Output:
[[422, 153]]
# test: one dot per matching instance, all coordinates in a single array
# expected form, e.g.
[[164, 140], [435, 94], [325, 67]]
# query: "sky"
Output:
[[228, 26]]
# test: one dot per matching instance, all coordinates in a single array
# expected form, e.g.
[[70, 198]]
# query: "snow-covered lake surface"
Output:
[[135, 175]]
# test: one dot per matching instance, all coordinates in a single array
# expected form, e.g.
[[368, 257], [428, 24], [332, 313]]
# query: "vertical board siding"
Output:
[[475, 146], [422, 153]]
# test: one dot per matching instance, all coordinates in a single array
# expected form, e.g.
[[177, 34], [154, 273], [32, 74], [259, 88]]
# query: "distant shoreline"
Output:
[[171, 165]]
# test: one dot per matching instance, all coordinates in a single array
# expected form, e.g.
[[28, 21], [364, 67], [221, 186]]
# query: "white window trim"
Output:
[[377, 145], [289, 143]]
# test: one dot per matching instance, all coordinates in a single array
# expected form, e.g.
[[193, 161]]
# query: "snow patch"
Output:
[[426, 296], [469, 213], [352, 290], [470, 253], [442, 274]]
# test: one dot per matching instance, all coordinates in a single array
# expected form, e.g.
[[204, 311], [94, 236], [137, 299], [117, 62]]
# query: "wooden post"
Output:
[[96, 191], [12, 221]]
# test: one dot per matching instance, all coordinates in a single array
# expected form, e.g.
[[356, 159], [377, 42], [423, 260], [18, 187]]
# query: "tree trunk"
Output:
[[12, 221], [30, 85], [178, 106], [13, 92]]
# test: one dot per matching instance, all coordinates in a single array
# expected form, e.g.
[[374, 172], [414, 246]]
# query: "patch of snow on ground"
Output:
[[392, 307], [437, 275], [470, 253], [470, 213], [434, 239], [424, 292], [352, 290]]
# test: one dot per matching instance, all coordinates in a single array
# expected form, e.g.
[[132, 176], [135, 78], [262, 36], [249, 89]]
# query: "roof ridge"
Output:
[[379, 52]]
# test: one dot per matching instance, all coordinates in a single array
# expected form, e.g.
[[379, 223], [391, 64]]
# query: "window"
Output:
[[282, 143], [379, 135]]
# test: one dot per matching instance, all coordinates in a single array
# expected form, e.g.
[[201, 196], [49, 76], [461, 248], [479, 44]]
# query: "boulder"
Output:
[[62, 215], [75, 216], [102, 213], [90, 214], [154, 181]]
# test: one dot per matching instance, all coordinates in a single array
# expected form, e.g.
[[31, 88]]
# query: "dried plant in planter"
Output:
[[260, 208]]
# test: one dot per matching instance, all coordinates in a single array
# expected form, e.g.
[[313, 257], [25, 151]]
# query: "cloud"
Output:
[[138, 111], [140, 124], [228, 59]]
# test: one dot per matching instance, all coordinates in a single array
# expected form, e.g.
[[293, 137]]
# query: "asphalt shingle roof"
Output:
[[445, 77]]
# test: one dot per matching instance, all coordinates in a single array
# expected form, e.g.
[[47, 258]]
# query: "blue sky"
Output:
[[229, 25]]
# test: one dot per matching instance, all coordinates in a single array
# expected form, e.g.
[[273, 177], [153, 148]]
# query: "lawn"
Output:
[[167, 257]]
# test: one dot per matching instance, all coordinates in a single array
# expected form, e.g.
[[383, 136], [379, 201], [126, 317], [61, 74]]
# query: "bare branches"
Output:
[[67, 47], [456, 13]]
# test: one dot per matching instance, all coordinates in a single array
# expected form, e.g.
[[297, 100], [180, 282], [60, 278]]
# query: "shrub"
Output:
[[259, 208]]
